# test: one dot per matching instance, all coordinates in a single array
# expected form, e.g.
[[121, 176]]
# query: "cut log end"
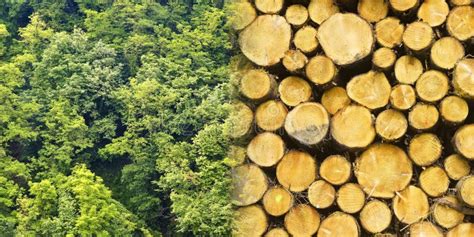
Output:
[[277, 232], [277, 201], [297, 15], [411, 205], [370, 89], [339, 224], [240, 120], [270, 116], [465, 190], [454, 110], [294, 91], [335, 99], [408, 69], [446, 216], [456, 167], [305, 39], [349, 134], [423, 116], [302, 220], [321, 70], [463, 141], [461, 230], [350, 198], [256, 84], [389, 32], [384, 58], [250, 221], [433, 12], [418, 36], [372, 11], [321, 194], [296, 171], [266, 149], [294, 60], [463, 78], [269, 6], [425, 149], [320, 10], [434, 181], [307, 123], [242, 15], [403, 5], [376, 216], [425, 228], [249, 183], [446, 52], [460, 23], [391, 125], [335, 169], [402, 97], [432, 86]]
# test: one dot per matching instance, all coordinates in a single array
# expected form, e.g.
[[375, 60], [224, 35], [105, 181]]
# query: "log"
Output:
[[434, 181], [270, 116], [296, 171], [321, 70], [249, 221], [346, 38], [454, 110], [349, 134], [370, 89], [321, 194], [446, 216], [456, 167], [389, 32], [269, 6], [242, 15], [307, 123], [425, 228], [372, 10], [382, 170], [423, 117], [294, 91], [446, 52], [391, 125], [266, 40], [408, 69], [375, 217], [350, 198], [320, 10], [460, 2], [463, 78], [277, 201], [463, 141], [249, 183], [461, 230], [460, 23], [410, 205], [432, 86], [418, 36], [305, 39], [240, 119], [465, 190], [335, 99], [277, 232], [403, 6], [433, 12], [294, 60], [384, 59], [425, 149], [297, 15], [402, 97], [235, 156], [302, 220], [339, 224], [335, 169], [266, 149], [257, 85]]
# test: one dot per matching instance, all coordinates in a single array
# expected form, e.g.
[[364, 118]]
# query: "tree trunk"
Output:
[[321, 194], [269, 6], [389, 32], [277, 201], [425, 149], [320, 10], [371, 90], [402, 97], [296, 171], [375, 217], [249, 183], [297, 15], [321, 70], [433, 12], [465, 190], [266, 149], [372, 10], [418, 37], [446, 52], [302, 220], [454, 110], [408, 69], [391, 125], [424, 228], [250, 221], [257, 85], [384, 59], [423, 117], [350, 198], [294, 91], [463, 78], [411, 205], [335, 99], [456, 167], [460, 23], [339, 224], [294, 61], [446, 216], [335, 169], [432, 86], [307, 123], [305, 39], [463, 141], [270, 116], [434, 181], [349, 134]]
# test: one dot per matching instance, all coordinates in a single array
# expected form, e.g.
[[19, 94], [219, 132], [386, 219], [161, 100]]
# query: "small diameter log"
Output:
[[465, 190], [266, 40], [346, 38], [425, 149], [389, 32], [277, 201], [460, 2], [257, 85], [250, 221], [321, 70], [372, 10], [349, 134], [308, 123], [424, 229], [461, 230], [320, 10], [463, 78], [240, 120], [249, 183], [410, 205], [302, 220], [403, 6], [266, 149], [335, 99], [321, 194], [402, 97], [277, 232], [269, 6], [339, 224], [460, 23], [294, 91], [294, 60], [335, 169], [297, 15], [453, 109], [270, 116], [456, 166], [382, 170], [433, 12], [446, 216], [432, 86], [463, 141], [370, 89], [350, 198], [434, 181], [446, 52], [375, 217], [296, 171], [235, 156], [384, 58], [305, 39], [391, 125], [423, 117], [408, 69], [243, 13], [418, 36]]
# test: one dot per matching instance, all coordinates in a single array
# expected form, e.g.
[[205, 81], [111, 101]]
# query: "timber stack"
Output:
[[354, 118]]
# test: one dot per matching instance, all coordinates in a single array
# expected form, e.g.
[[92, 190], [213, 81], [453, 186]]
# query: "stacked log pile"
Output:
[[354, 118]]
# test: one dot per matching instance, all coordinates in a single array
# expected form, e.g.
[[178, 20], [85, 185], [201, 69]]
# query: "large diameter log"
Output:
[[243, 13], [425, 228], [296, 171], [320, 10], [382, 170], [305, 39], [277, 232], [339, 224], [375, 217], [249, 183], [257, 85], [294, 60], [349, 134], [250, 221], [294, 91], [463, 141], [391, 125], [269, 6], [456, 166], [418, 36], [454, 110], [308, 123], [410, 205], [465, 190], [425, 149], [321, 194], [423, 116], [266, 149], [277, 201], [370, 89], [350, 198], [460, 23], [266, 40], [446, 52], [446, 216], [335, 169], [432, 86], [335, 99], [346, 38], [434, 181], [372, 10], [302, 220], [461, 230], [321, 70], [384, 58], [240, 120], [433, 12], [402, 97], [408, 69], [270, 116], [297, 15], [389, 32], [463, 78]]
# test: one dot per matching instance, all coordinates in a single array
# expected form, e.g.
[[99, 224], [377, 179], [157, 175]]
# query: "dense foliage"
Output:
[[111, 118]]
